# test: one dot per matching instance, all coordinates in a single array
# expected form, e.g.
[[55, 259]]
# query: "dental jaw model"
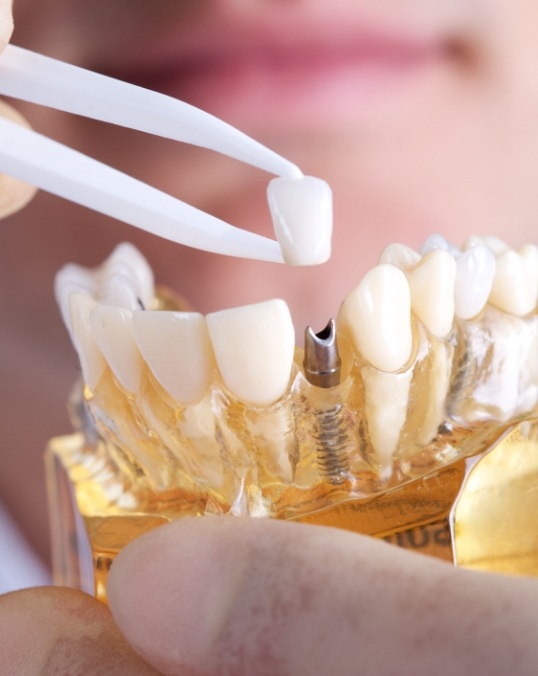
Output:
[[409, 418]]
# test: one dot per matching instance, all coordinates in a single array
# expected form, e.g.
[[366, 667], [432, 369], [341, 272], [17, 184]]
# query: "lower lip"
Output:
[[306, 88]]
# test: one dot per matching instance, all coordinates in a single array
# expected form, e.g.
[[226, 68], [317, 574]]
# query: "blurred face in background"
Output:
[[423, 117]]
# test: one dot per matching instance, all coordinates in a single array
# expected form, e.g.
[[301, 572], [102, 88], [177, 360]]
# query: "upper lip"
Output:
[[275, 43]]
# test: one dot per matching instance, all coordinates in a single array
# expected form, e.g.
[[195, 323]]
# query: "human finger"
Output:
[[14, 194], [6, 22], [248, 596], [60, 631]]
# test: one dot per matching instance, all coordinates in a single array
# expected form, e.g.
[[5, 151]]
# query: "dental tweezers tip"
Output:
[[322, 361]]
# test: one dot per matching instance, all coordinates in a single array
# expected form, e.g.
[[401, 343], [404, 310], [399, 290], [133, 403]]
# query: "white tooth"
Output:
[[126, 259], [514, 283], [113, 331], [254, 347], [119, 290], [71, 279], [434, 242], [178, 351], [377, 315], [475, 270], [432, 291], [400, 255], [301, 210], [529, 252], [386, 399], [91, 358], [494, 244]]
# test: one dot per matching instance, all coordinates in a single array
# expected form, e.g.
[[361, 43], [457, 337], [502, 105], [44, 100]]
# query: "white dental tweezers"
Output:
[[67, 173]]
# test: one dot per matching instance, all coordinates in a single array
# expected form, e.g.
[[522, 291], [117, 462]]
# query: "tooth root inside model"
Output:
[[301, 210], [432, 291], [386, 401], [177, 349], [515, 282], [376, 316], [254, 347], [113, 331], [91, 358]]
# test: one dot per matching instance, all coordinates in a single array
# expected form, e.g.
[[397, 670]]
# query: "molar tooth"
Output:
[[400, 255], [254, 347], [515, 282], [113, 331], [91, 358], [434, 242], [530, 254], [494, 244], [377, 318], [178, 351], [475, 270], [432, 291], [301, 210]]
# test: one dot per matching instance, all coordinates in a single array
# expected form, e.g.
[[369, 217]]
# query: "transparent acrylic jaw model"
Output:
[[440, 457]]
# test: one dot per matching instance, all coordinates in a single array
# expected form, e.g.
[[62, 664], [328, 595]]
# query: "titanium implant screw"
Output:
[[322, 367]]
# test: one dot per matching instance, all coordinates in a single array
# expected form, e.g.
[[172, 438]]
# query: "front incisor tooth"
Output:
[[119, 290], [515, 282], [127, 258], [91, 358], [301, 210], [376, 316], [254, 347], [475, 270], [113, 331], [177, 350], [432, 291], [71, 279]]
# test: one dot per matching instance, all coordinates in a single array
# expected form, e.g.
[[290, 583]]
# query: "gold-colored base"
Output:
[[480, 512]]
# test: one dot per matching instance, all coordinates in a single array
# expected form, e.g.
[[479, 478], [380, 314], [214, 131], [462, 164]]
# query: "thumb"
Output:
[[6, 22], [247, 596], [14, 194]]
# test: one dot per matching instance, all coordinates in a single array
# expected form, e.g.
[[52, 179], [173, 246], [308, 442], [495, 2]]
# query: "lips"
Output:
[[262, 73]]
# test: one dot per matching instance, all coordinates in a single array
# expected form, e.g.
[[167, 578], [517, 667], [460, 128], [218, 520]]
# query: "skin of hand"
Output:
[[6, 23], [213, 596], [14, 194]]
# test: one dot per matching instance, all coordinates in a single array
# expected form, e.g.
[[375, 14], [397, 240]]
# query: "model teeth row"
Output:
[[253, 346], [443, 283]]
